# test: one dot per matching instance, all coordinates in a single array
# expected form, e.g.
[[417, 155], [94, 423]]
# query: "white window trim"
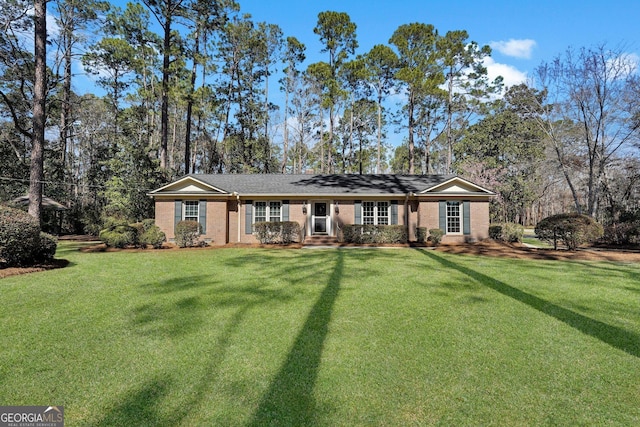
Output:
[[459, 216], [267, 213], [375, 212], [184, 210]]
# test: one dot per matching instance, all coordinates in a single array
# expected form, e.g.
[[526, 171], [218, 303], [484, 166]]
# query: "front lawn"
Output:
[[253, 337]]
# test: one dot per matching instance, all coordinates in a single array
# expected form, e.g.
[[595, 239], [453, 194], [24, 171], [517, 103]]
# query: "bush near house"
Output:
[[119, 234], [506, 232], [188, 233], [422, 234], [435, 235], [572, 229], [21, 241], [362, 234], [277, 232]]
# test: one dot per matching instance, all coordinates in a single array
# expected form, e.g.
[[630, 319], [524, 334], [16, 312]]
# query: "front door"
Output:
[[320, 217]]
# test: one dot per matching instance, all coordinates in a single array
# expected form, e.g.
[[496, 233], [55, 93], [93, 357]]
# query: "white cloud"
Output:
[[515, 48], [511, 75]]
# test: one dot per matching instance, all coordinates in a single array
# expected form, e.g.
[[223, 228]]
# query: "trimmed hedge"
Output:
[[572, 229], [153, 236], [435, 235], [119, 236], [47, 247], [139, 234], [363, 234], [284, 232], [19, 237], [422, 234], [187, 233], [506, 232]]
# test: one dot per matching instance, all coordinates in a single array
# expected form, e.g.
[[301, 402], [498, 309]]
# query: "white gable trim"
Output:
[[188, 185], [456, 185]]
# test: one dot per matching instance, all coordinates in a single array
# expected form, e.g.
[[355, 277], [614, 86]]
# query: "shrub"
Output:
[[19, 237], [421, 234], [187, 233], [506, 232], [277, 232], [435, 235], [571, 228], [47, 247], [495, 231], [363, 234], [623, 233], [153, 236], [119, 236]]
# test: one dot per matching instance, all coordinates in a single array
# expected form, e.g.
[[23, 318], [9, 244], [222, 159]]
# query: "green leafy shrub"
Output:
[[153, 236], [188, 233], [495, 231], [572, 229], [19, 237], [364, 234], [119, 236], [277, 232], [435, 235], [506, 232], [47, 247], [421, 234]]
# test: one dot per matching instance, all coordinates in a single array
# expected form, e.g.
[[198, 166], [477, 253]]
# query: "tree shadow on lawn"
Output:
[[617, 337], [290, 396], [289, 399]]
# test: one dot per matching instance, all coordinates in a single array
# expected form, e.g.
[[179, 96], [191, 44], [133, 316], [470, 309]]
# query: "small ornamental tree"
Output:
[[572, 229]]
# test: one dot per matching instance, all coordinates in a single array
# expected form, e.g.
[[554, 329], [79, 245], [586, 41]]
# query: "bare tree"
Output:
[[587, 114]]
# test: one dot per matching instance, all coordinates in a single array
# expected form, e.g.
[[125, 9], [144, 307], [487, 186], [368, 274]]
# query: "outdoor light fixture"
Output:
[[336, 208], [304, 208]]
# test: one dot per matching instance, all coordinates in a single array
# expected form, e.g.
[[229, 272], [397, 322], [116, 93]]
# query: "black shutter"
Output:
[[177, 215]]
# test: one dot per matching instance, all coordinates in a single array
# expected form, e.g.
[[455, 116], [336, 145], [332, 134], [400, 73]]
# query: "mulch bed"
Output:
[[484, 248]]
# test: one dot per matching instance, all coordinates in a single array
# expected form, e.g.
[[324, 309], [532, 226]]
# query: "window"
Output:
[[267, 211], [191, 211], [453, 218], [375, 213]]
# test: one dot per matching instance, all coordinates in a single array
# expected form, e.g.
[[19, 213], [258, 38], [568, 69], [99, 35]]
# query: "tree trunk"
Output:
[[412, 150], [192, 86], [39, 112], [164, 108]]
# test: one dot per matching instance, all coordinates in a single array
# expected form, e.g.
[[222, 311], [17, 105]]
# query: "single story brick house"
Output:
[[227, 205]]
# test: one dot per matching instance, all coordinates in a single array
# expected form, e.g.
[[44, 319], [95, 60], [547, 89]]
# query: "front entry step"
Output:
[[320, 240]]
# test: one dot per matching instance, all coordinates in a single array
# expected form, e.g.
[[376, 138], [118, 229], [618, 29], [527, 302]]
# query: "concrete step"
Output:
[[320, 241]]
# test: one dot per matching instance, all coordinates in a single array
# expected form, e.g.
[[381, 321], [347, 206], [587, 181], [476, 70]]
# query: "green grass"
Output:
[[252, 337]]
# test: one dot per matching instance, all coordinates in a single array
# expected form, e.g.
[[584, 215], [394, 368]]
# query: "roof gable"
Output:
[[188, 185]]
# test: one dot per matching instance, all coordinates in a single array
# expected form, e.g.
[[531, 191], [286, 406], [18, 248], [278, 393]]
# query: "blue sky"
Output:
[[538, 30]]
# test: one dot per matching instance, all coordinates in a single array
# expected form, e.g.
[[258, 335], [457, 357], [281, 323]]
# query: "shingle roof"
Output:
[[257, 184]]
